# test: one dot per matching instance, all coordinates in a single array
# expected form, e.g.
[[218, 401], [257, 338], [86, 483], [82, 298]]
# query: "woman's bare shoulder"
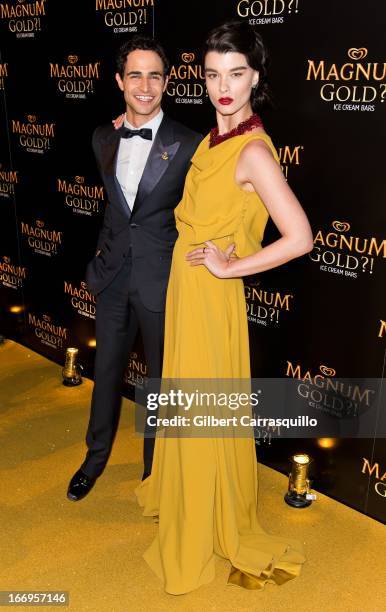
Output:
[[256, 148]]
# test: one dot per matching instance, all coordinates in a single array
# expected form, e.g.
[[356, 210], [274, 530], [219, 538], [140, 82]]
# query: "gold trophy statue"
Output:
[[71, 370], [298, 494]]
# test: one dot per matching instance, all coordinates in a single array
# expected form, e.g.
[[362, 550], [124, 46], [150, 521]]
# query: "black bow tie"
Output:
[[145, 133]]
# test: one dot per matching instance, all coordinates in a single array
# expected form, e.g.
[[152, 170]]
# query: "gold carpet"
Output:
[[93, 548]]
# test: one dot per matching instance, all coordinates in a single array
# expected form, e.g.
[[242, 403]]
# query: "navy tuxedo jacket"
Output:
[[148, 232]]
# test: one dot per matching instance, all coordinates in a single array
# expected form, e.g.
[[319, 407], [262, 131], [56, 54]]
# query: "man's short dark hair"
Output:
[[143, 43]]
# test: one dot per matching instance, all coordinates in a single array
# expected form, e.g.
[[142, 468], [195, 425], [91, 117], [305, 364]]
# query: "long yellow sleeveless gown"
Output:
[[204, 490]]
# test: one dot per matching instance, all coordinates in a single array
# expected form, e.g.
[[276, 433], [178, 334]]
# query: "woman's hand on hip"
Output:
[[213, 258]]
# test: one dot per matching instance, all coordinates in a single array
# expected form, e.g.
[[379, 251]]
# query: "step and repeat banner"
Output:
[[315, 319]]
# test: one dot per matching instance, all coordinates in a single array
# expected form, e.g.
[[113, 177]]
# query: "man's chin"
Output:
[[144, 111]]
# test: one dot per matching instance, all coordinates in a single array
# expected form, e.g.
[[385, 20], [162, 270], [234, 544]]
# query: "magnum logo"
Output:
[[82, 300], [187, 57], [8, 180], [136, 371], [264, 307], [42, 240], [82, 199], [10, 275], [48, 333], [340, 253], [357, 54], [187, 81], [3, 75], [289, 156], [73, 79], [125, 15], [376, 473], [352, 85], [306, 375], [260, 12], [338, 398], [24, 18], [33, 136]]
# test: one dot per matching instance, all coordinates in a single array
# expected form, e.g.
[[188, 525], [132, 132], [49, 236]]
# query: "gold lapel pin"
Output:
[[165, 155]]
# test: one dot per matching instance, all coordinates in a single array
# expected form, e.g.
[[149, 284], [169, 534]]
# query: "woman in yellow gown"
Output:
[[204, 490]]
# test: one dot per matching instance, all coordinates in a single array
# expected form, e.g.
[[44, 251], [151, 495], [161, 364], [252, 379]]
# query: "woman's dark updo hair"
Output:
[[240, 37]]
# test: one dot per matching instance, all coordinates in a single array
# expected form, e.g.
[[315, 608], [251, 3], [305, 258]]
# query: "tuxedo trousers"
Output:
[[120, 313]]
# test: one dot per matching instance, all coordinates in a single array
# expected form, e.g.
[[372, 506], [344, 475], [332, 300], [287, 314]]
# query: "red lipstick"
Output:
[[225, 101]]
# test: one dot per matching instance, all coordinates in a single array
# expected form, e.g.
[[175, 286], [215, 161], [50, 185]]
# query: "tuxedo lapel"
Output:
[[109, 152], [161, 154]]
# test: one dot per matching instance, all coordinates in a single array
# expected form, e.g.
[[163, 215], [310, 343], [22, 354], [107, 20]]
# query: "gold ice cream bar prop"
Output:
[[71, 370], [299, 494]]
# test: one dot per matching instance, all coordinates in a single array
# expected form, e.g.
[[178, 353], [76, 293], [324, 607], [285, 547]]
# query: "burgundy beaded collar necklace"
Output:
[[245, 126]]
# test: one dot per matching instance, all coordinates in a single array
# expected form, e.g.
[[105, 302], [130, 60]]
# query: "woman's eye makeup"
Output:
[[213, 75]]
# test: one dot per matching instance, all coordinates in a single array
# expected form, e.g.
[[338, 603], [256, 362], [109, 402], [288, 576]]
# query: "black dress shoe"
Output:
[[145, 475], [79, 486]]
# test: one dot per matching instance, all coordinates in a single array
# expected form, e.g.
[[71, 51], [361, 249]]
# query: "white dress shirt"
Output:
[[132, 157]]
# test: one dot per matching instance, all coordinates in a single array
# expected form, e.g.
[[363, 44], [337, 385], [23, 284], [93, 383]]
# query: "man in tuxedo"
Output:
[[143, 165]]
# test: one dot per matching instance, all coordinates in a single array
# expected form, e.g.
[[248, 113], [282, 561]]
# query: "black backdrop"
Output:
[[320, 315]]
